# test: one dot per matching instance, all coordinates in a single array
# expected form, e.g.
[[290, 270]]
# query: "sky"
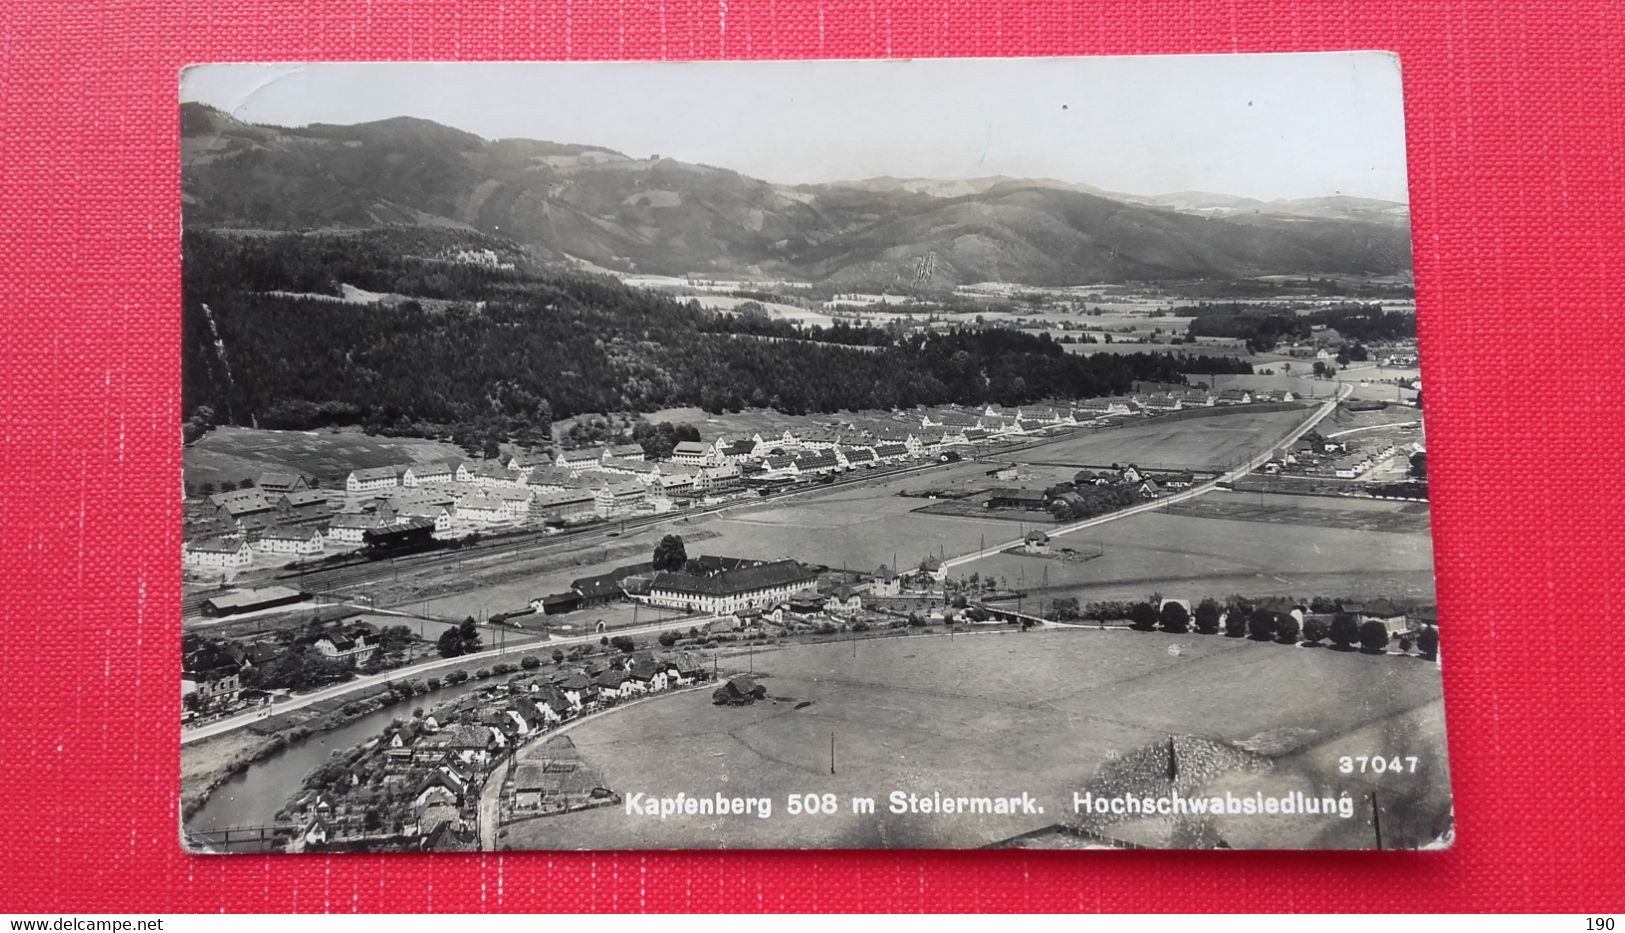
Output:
[[1261, 126]]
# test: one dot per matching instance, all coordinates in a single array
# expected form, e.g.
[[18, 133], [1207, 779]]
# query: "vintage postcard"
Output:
[[944, 454]]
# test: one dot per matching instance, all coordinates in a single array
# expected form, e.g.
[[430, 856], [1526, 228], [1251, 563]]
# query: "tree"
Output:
[[1315, 630], [1286, 630], [530, 662], [1207, 617], [667, 639], [1427, 644], [1235, 621], [450, 643], [1262, 626], [558, 655], [1345, 631], [1143, 617], [670, 555], [1175, 618], [1373, 637], [1419, 465], [1064, 610]]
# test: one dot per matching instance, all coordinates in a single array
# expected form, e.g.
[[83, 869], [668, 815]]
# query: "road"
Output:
[[303, 700], [349, 576], [299, 702], [1319, 415]]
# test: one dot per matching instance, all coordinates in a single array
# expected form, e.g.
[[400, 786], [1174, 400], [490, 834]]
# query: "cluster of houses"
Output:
[[1320, 456], [212, 670], [427, 771], [1147, 484]]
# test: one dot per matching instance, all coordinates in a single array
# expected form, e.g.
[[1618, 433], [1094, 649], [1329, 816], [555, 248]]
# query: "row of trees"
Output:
[[1239, 620]]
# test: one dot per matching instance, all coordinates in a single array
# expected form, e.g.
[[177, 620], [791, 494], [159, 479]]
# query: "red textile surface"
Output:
[[1517, 161]]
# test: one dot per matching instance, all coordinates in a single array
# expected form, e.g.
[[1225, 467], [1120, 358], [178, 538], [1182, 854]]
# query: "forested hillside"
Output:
[[509, 349]]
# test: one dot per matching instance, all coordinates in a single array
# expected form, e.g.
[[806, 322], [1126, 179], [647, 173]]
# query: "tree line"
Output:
[[518, 348]]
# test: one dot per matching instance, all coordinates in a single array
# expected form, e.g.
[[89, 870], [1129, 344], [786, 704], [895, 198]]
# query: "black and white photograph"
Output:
[[929, 454]]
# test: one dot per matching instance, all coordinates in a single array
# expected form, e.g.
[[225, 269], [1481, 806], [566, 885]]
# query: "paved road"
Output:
[[1320, 414], [303, 700]]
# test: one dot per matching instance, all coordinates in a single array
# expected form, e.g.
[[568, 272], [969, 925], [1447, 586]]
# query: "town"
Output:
[[563, 475]]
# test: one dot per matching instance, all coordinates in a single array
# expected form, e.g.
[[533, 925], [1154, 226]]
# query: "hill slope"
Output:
[[580, 202]]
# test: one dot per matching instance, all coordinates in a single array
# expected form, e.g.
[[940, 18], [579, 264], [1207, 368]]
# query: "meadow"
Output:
[[1189, 557], [1207, 443], [999, 714]]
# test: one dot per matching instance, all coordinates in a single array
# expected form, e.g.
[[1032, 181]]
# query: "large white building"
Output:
[[371, 478], [291, 539], [217, 554], [728, 590]]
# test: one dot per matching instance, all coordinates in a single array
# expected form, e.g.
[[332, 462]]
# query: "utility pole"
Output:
[[1376, 820]]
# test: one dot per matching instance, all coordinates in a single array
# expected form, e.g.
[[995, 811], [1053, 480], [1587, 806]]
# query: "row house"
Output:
[[351, 645], [581, 458], [301, 540], [569, 505], [545, 479], [696, 453], [349, 527], [727, 590], [372, 478], [489, 474], [481, 508], [1089, 409], [428, 474], [219, 553], [439, 514], [817, 461], [613, 500]]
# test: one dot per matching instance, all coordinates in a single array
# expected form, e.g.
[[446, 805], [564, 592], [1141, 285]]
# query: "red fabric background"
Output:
[[1517, 164]]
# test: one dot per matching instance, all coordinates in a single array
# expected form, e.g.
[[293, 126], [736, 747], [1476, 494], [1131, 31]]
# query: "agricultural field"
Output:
[[1354, 514], [1188, 557], [233, 454], [1215, 442], [858, 527], [776, 310], [1005, 712]]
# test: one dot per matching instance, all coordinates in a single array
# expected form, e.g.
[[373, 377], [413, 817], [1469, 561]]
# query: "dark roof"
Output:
[[1020, 495], [741, 580]]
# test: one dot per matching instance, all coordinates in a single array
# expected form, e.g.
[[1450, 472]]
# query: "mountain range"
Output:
[[592, 206]]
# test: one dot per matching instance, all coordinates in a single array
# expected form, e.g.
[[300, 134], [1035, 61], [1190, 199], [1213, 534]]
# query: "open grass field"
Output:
[[1189, 557], [776, 310], [1210, 443], [1356, 514], [1003, 713], [858, 527], [233, 454]]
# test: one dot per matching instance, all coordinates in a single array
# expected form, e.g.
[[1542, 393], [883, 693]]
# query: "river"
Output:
[[253, 797]]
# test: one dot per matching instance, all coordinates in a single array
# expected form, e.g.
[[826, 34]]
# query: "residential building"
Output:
[[726, 590], [371, 478], [302, 540], [225, 553], [352, 645], [275, 483], [426, 474], [691, 452]]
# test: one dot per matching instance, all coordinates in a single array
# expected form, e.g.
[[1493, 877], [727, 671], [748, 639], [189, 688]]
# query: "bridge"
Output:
[[266, 838]]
